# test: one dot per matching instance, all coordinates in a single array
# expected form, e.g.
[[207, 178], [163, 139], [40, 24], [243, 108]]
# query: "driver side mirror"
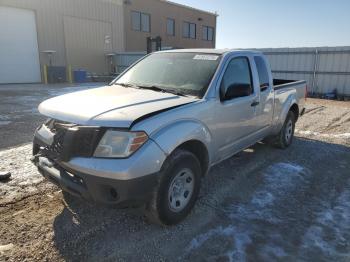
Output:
[[235, 90]]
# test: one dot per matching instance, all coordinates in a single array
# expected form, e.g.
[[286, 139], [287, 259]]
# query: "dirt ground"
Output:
[[262, 204]]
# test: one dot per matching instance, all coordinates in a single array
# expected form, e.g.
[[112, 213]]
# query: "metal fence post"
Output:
[[45, 74], [70, 77], [314, 78]]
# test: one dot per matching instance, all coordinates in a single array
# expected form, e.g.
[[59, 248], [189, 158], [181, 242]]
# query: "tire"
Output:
[[285, 137], [177, 191]]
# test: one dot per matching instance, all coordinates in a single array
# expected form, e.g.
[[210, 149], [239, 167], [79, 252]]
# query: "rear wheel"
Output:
[[285, 136], [178, 189]]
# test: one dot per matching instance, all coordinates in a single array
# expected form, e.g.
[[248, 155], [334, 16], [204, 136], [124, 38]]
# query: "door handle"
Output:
[[255, 103]]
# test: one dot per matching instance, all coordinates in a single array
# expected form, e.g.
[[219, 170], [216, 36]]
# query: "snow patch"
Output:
[[199, 241], [278, 180], [245, 219], [4, 120], [25, 177], [318, 134], [275, 251], [240, 241], [330, 233], [5, 123]]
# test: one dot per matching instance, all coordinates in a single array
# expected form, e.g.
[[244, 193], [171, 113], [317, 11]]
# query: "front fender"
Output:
[[173, 135]]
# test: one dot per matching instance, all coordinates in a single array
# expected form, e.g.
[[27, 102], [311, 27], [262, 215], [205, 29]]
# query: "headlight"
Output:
[[118, 144]]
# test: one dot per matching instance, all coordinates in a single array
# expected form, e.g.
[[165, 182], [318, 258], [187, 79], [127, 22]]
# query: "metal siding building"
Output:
[[81, 33], [16, 54], [325, 68], [88, 27]]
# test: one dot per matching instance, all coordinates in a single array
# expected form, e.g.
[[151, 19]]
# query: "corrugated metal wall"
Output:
[[87, 43], [50, 15], [325, 68]]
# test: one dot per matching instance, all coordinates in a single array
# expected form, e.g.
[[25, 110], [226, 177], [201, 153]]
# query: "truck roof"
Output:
[[212, 51]]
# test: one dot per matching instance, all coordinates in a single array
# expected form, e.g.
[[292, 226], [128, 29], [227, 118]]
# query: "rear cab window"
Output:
[[263, 73]]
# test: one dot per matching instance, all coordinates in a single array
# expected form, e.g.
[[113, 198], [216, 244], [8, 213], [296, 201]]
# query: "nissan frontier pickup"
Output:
[[150, 136]]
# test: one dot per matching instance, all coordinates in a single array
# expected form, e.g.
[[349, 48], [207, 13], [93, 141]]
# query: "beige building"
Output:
[[178, 26], [83, 33]]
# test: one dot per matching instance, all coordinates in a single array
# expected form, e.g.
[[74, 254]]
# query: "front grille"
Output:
[[85, 141], [55, 150], [71, 140], [58, 140]]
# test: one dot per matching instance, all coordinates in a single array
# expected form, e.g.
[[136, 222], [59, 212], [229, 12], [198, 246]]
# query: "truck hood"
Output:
[[109, 106]]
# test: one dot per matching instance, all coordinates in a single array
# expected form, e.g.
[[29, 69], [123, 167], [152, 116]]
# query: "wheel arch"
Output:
[[295, 109], [189, 135], [197, 148], [289, 105]]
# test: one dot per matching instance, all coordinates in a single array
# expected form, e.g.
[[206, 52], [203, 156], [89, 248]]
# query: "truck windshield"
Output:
[[182, 73]]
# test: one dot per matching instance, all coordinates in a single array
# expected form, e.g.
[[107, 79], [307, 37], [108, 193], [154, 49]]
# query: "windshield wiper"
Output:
[[160, 89], [125, 84], [153, 88]]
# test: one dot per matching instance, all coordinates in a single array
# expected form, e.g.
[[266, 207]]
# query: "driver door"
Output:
[[236, 117]]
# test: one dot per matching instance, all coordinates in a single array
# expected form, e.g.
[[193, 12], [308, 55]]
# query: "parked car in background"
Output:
[[150, 137]]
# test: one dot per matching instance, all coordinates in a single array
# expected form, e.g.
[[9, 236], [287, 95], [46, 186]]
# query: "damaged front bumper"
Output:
[[117, 182]]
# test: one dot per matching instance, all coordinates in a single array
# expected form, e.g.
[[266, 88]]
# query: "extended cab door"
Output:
[[236, 111], [265, 83]]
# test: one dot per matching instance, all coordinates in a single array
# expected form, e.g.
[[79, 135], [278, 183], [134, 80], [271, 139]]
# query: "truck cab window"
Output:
[[237, 80], [262, 72]]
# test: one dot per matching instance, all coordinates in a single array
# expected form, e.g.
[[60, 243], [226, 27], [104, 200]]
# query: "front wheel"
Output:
[[285, 136], [178, 189]]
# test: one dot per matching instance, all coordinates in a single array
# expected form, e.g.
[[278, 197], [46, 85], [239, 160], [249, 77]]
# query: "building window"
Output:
[[145, 22], [170, 26], [140, 21], [189, 30], [208, 33], [136, 21]]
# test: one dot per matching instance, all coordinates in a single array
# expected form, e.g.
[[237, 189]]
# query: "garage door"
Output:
[[19, 55]]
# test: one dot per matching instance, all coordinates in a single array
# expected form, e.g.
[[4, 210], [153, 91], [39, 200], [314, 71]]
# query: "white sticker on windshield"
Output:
[[206, 57]]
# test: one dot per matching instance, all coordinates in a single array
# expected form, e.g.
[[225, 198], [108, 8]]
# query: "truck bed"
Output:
[[282, 83]]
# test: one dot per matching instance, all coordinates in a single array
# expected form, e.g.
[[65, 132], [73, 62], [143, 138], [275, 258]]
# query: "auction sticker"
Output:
[[206, 57]]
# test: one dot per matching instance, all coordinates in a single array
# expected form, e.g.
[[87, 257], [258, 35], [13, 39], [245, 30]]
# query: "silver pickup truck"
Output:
[[148, 138]]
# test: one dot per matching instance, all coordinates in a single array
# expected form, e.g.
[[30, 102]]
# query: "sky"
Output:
[[278, 23]]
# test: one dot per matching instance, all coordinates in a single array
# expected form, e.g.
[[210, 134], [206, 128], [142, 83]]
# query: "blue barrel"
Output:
[[80, 76]]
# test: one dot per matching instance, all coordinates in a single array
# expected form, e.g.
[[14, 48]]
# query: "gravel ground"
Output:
[[262, 204]]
